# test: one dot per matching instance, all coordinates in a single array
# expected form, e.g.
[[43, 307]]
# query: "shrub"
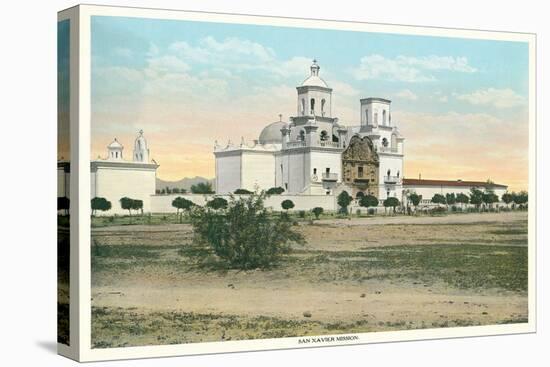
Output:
[[368, 201], [217, 203], [317, 211], [275, 191], [344, 199], [371, 211], [302, 213], [242, 192], [99, 203], [183, 204], [245, 235], [202, 188], [287, 204], [391, 203]]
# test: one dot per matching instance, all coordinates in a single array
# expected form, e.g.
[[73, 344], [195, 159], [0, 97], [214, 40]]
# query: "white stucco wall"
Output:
[[258, 170], [113, 183], [428, 191], [228, 173], [163, 203]]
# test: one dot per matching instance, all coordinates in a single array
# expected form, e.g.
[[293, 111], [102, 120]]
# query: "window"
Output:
[[116, 154], [303, 107], [315, 171], [324, 135], [385, 142], [302, 135], [327, 170], [376, 118], [312, 105], [389, 172], [384, 117], [359, 171], [398, 174], [367, 115], [323, 107]]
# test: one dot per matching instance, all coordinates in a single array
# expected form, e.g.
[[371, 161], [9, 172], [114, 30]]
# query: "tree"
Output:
[[287, 204], [99, 203], [368, 201], [450, 198], [391, 203], [202, 188], [129, 204], [360, 195], [245, 235], [137, 205], [521, 198], [275, 191], [175, 190], [476, 197], [242, 192], [507, 198], [317, 211], [415, 199], [126, 204], [439, 199], [183, 204], [462, 198], [63, 203], [489, 197], [217, 203], [343, 200]]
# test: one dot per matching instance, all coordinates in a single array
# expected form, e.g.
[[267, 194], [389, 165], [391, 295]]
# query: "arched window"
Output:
[[312, 105], [303, 109], [389, 172], [324, 135], [116, 154], [384, 117], [302, 135], [323, 107], [385, 142]]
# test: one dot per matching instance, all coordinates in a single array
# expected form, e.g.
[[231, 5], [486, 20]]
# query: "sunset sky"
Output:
[[460, 104]]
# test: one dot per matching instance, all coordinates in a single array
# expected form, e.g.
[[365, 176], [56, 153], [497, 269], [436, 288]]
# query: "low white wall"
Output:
[[163, 203]]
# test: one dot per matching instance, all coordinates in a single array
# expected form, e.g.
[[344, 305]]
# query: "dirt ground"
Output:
[[153, 285]]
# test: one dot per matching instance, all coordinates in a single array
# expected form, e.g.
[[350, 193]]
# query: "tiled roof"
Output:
[[459, 183]]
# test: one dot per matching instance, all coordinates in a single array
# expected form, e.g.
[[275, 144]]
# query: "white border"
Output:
[[83, 143]]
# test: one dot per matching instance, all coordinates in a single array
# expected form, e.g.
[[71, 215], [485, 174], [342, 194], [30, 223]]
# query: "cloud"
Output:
[[409, 69], [407, 94], [499, 98], [470, 146]]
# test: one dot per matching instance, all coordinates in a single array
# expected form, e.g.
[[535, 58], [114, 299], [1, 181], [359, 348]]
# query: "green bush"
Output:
[[317, 211], [302, 213], [275, 191], [287, 204], [245, 235]]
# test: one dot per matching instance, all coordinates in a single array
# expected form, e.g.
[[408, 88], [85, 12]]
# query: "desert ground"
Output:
[[151, 284]]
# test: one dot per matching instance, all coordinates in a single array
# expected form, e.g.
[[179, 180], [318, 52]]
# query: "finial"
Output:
[[281, 117], [141, 132], [315, 68]]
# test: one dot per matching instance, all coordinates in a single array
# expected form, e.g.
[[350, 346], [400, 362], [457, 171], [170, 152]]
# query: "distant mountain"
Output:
[[184, 183]]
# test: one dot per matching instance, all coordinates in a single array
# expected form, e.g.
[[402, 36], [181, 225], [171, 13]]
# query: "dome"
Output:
[[271, 134], [115, 145], [314, 81]]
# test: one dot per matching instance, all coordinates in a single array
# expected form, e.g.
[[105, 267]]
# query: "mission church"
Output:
[[316, 154], [313, 157]]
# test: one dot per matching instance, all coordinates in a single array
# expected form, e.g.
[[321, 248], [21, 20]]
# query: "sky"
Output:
[[63, 86], [461, 104]]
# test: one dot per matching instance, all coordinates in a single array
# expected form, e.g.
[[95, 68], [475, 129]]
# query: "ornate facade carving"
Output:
[[360, 164]]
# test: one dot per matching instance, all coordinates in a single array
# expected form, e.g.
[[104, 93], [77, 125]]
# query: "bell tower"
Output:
[[314, 95], [141, 151]]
